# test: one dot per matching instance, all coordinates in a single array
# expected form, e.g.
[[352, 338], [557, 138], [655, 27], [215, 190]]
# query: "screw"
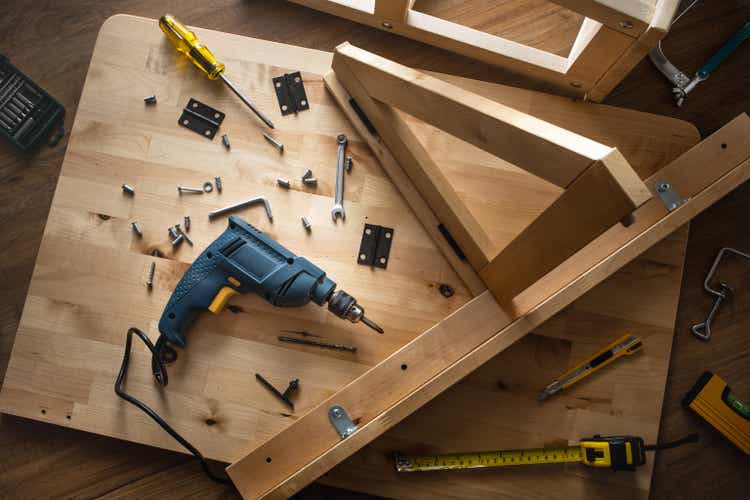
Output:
[[308, 173], [310, 181], [225, 142], [348, 164], [306, 224], [283, 182], [150, 100], [218, 183], [183, 189], [275, 143], [336, 413], [387, 25], [173, 232], [626, 25], [186, 221], [128, 189], [208, 187], [446, 290], [150, 279], [184, 234], [177, 240], [137, 229]]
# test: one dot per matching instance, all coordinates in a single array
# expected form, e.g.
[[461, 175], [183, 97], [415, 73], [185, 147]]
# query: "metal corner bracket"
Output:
[[341, 421]]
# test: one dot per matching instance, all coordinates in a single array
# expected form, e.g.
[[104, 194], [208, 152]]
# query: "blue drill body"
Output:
[[241, 260]]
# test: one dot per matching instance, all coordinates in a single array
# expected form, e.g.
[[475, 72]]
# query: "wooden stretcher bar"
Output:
[[441, 356], [614, 36]]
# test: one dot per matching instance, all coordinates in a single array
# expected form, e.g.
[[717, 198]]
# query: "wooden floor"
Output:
[[53, 43]]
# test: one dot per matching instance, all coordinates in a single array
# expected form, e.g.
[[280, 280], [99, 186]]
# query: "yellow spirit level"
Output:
[[712, 399]]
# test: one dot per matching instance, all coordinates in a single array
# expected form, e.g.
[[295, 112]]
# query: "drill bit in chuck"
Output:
[[345, 306]]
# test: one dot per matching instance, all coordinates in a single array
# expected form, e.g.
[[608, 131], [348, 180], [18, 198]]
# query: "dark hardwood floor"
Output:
[[53, 40]]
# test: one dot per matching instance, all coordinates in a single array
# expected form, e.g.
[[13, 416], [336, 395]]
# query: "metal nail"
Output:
[[137, 229], [283, 182], [311, 181], [275, 143], [150, 279], [150, 100], [184, 235], [306, 224], [128, 189], [183, 189]]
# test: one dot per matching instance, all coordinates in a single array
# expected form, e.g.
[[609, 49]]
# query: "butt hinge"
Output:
[[341, 421]]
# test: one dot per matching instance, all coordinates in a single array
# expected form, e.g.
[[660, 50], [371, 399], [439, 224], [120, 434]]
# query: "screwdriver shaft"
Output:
[[247, 101]]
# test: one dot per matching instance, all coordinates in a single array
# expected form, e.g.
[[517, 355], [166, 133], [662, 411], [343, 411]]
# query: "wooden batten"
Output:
[[519, 138]]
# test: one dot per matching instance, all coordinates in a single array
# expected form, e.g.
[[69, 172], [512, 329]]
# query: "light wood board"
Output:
[[89, 281]]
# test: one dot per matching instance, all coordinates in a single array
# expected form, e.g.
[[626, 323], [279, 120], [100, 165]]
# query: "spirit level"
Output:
[[712, 399]]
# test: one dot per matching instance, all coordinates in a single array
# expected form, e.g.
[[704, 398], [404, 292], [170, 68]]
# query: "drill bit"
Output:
[[324, 345], [345, 306], [371, 324]]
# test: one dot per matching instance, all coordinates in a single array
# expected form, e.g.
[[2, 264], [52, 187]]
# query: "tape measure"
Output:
[[712, 399], [615, 452]]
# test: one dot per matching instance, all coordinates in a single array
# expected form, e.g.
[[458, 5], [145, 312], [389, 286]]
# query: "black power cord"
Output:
[[160, 352], [690, 438]]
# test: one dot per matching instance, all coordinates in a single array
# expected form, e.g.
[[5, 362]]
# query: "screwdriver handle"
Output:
[[186, 42]]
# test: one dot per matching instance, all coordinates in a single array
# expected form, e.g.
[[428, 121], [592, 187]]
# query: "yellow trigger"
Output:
[[221, 298]]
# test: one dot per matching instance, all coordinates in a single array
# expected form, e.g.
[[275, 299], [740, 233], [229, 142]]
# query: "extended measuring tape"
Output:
[[615, 452]]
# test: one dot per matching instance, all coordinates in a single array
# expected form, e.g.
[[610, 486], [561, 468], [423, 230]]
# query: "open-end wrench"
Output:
[[338, 202]]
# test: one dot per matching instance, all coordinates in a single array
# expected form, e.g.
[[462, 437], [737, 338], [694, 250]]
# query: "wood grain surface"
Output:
[[96, 466]]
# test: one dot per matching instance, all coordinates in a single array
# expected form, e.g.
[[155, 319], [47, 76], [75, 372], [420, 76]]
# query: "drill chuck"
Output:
[[345, 306]]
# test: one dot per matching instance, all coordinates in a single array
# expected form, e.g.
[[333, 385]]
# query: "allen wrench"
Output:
[[703, 330]]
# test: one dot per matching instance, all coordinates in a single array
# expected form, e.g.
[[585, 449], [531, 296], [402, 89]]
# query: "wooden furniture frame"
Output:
[[592, 174], [601, 189], [614, 36]]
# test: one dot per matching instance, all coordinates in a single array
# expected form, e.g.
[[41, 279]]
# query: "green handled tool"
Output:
[[680, 93], [683, 84]]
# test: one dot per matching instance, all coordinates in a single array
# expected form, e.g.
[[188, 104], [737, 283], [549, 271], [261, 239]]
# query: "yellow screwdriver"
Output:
[[186, 42]]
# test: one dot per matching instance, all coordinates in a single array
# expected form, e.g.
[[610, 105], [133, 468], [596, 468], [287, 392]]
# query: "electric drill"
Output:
[[241, 260]]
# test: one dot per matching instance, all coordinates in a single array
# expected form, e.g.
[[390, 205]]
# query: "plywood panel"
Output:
[[88, 285]]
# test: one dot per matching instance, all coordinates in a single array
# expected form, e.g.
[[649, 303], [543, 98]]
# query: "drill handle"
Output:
[[205, 290]]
